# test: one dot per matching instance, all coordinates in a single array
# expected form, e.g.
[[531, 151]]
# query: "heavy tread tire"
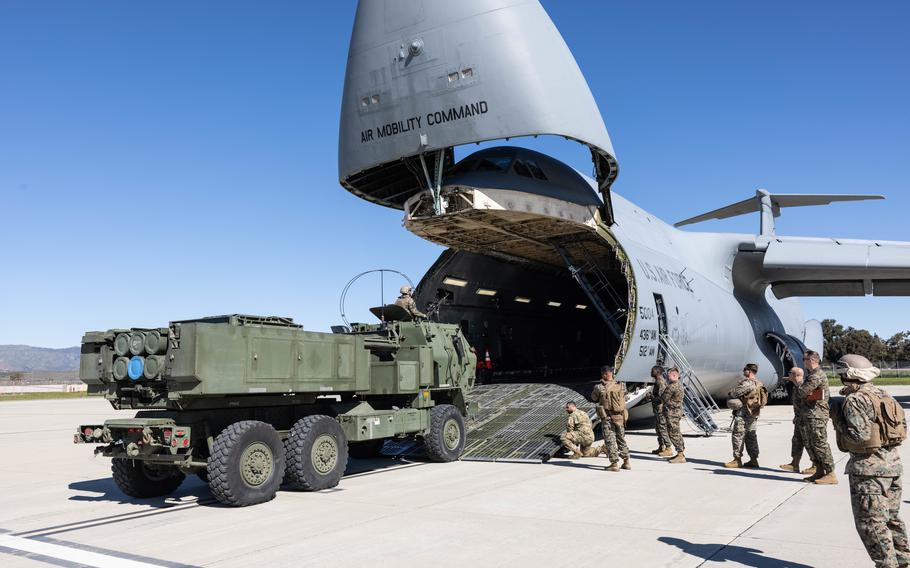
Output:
[[300, 442], [434, 438], [131, 477], [366, 450], [223, 471]]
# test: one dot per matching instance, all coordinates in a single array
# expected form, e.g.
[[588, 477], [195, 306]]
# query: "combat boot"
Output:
[[819, 473], [576, 455], [658, 451], [809, 470], [613, 466], [828, 479], [626, 464], [667, 453], [736, 463], [678, 458], [591, 452], [752, 463], [792, 466]]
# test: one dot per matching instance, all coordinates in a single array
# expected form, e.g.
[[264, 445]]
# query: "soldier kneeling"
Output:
[[579, 434]]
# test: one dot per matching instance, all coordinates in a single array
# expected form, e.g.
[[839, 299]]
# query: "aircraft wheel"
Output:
[[247, 464], [317, 453], [445, 438], [138, 479]]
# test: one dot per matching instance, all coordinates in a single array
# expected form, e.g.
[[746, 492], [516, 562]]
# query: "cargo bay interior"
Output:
[[533, 319]]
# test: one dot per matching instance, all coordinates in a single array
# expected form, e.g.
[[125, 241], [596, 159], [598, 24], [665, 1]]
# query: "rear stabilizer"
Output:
[[769, 205]]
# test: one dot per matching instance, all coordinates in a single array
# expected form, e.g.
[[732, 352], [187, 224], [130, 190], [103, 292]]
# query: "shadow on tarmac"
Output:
[[751, 473], [724, 552], [718, 468], [195, 491]]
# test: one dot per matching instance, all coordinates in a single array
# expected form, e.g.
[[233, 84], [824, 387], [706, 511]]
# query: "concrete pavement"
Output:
[[58, 505]]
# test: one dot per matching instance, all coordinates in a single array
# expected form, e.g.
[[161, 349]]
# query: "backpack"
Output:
[[614, 401], [889, 414], [756, 399], [891, 430]]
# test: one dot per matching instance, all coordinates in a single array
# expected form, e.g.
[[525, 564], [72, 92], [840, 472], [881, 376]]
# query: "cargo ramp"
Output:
[[518, 422]]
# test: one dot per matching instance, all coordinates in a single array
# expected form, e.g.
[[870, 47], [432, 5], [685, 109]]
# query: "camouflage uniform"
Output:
[[744, 422], [797, 444], [814, 418], [671, 397], [410, 306], [875, 483], [660, 419], [579, 434], [614, 433]]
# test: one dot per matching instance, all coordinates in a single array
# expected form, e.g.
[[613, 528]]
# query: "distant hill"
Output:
[[27, 358]]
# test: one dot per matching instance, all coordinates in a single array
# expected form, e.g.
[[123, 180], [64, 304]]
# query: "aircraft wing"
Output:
[[796, 266]]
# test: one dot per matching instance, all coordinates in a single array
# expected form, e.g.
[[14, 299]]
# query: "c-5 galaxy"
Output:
[[548, 271], [247, 402]]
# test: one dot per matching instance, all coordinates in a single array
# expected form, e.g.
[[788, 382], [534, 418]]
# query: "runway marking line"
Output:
[[72, 555]]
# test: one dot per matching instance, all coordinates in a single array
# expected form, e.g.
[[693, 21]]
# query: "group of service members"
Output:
[[870, 425]]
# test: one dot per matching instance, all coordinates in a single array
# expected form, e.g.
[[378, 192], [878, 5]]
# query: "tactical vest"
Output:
[[890, 426]]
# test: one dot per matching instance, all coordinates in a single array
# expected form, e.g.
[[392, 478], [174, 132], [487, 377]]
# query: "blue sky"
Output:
[[169, 160]]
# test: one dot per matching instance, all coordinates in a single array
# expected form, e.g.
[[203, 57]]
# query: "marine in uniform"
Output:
[[671, 398], [660, 421], [745, 419], [579, 434], [812, 395], [871, 425], [797, 444], [610, 398], [407, 302]]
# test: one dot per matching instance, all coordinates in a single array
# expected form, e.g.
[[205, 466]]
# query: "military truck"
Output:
[[247, 402]]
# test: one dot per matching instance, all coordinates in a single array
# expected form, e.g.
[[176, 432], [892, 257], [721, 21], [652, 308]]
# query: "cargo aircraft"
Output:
[[549, 272]]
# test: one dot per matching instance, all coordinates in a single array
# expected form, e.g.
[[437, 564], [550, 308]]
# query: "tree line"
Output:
[[840, 340]]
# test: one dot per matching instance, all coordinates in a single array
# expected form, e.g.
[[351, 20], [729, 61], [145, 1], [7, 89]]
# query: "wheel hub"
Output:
[[324, 455], [451, 434], [256, 464]]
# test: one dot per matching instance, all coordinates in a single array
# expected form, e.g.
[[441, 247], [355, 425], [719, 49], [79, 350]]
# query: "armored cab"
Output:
[[243, 401]]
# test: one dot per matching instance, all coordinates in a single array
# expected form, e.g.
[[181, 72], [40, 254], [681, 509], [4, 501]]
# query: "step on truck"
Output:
[[247, 402]]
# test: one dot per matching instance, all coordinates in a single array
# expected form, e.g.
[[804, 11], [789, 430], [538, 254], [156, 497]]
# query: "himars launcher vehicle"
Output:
[[246, 402]]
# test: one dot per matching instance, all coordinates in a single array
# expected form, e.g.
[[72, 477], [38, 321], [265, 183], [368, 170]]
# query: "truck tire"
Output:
[[317, 453], [366, 450], [445, 438], [143, 481], [247, 464]]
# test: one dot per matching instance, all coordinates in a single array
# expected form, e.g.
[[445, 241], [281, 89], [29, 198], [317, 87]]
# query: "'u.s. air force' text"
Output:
[[425, 121]]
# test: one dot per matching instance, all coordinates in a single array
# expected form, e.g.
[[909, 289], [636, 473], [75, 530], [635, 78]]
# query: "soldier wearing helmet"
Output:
[[871, 425], [407, 302]]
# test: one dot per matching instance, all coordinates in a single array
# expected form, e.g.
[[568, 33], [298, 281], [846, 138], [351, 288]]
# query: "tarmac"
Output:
[[59, 506]]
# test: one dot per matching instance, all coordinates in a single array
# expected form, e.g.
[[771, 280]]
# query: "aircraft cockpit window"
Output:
[[521, 169], [536, 171], [494, 164]]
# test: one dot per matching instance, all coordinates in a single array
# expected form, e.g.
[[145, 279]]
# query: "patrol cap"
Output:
[[673, 369], [751, 367], [606, 369]]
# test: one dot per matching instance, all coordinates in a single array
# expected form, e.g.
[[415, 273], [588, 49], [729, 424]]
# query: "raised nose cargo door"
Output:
[[424, 76]]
